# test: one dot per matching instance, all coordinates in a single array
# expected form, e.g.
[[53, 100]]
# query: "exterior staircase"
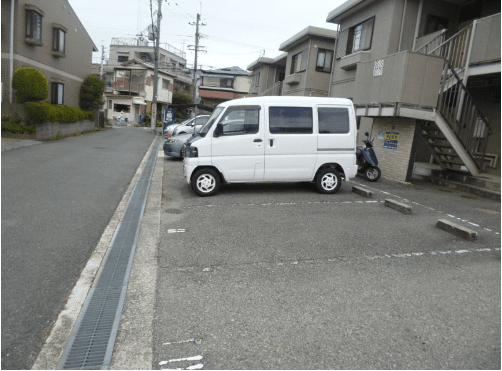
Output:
[[458, 136]]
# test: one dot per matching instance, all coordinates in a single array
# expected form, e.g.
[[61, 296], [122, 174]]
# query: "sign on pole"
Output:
[[167, 119]]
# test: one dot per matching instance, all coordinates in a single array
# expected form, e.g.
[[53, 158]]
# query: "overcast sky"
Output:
[[237, 32]]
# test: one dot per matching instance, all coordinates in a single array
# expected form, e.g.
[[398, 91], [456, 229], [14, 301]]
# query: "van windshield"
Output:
[[210, 122]]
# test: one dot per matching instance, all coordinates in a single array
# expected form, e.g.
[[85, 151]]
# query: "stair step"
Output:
[[482, 181], [479, 191]]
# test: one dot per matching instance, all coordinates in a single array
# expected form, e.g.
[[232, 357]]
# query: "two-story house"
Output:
[[132, 91], [49, 36], [424, 76], [220, 85]]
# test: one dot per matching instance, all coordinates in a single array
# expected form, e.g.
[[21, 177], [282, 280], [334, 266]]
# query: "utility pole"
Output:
[[197, 36], [156, 70], [102, 60]]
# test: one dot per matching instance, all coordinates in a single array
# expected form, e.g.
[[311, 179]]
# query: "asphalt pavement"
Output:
[[282, 277], [57, 199]]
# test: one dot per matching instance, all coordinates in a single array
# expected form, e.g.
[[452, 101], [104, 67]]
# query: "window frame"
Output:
[[55, 93], [324, 68], [122, 56], [297, 63], [56, 40], [345, 43], [270, 119], [165, 82], [30, 25], [224, 82]]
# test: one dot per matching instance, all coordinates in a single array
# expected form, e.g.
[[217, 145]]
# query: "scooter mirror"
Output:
[[367, 134]]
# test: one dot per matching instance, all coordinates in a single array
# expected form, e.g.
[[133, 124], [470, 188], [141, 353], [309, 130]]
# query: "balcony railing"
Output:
[[274, 90]]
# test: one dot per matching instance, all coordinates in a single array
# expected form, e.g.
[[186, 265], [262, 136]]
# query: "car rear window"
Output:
[[291, 120]]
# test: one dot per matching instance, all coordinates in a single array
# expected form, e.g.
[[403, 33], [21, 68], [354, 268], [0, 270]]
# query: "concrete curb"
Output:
[[456, 229], [361, 191], [399, 206], [53, 348], [133, 347]]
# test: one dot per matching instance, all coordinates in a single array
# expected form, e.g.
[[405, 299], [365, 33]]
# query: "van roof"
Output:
[[296, 100]]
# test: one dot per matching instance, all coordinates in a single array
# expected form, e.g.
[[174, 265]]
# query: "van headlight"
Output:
[[192, 151]]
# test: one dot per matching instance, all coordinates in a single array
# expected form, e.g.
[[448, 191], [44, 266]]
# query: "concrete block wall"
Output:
[[394, 163], [50, 130]]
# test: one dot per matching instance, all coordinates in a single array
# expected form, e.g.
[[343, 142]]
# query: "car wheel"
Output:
[[328, 180], [372, 173], [205, 182], [181, 133]]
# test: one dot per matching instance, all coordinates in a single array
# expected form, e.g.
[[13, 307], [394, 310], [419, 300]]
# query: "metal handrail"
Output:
[[454, 50], [456, 106], [277, 86], [433, 44]]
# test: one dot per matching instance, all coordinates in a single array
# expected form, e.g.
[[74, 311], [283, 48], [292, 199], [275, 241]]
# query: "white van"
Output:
[[274, 139]]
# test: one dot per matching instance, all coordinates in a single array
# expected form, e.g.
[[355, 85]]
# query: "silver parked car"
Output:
[[186, 127], [173, 145]]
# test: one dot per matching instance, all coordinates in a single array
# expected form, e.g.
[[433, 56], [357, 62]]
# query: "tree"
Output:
[[181, 97], [31, 85], [91, 92]]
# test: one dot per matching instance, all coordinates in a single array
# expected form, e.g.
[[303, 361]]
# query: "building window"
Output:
[[355, 39], [125, 108], [324, 58], [123, 58], [34, 25], [226, 83], [299, 62], [165, 84], [256, 79], [57, 93], [58, 40]]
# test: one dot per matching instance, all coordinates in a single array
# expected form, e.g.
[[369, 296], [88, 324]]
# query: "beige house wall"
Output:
[[69, 70], [242, 83], [394, 164]]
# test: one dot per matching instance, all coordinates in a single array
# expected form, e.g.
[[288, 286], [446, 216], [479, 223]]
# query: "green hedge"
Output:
[[40, 112], [11, 124]]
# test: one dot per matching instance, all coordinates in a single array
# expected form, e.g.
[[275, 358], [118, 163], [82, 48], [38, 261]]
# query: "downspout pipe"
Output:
[[402, 26], [11, 52]]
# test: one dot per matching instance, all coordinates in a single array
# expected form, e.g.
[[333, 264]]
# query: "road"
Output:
[[57, 199], [282, 277]]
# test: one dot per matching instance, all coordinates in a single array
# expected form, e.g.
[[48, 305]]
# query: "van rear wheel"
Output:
[[328, 180], [205, 182]]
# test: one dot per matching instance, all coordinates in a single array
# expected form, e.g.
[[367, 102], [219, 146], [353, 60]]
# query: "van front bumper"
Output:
[[189, 166]]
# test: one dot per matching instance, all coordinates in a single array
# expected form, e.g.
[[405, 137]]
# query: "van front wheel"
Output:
[[205, 182], [328, 181]]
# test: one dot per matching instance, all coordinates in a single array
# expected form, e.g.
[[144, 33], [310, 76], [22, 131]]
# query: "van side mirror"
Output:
[[218, 131]]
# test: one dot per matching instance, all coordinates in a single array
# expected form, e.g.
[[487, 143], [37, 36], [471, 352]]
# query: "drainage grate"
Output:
[[93, 337]]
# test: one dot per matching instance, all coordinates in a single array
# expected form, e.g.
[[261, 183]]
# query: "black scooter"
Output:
[[367, 162]]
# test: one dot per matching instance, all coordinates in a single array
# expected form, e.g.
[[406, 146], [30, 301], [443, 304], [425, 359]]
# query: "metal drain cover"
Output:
[[174, 211]]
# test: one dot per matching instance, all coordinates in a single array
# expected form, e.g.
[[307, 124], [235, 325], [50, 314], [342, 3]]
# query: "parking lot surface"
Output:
[[278, 276]]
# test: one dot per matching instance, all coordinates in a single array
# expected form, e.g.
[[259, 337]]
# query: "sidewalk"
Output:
[[12, 143]]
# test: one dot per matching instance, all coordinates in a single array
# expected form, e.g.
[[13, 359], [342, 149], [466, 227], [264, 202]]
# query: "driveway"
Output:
[[282, 277]]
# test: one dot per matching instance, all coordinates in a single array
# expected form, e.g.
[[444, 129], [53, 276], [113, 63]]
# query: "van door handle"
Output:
[[271, 142], [257, 140]]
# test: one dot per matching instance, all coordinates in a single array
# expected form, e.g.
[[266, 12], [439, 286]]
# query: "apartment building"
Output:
[[309, 62], [131, 92], [424, 76], [171, 59], [49, 36], [267, 75]]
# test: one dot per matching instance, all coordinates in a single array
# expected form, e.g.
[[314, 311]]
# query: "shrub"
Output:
[[11, 124], [31, 85], [91, 93], [40, 112]]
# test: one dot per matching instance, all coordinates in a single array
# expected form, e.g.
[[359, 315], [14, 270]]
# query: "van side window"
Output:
[[291, 120], [333, 120], [240, 120]]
